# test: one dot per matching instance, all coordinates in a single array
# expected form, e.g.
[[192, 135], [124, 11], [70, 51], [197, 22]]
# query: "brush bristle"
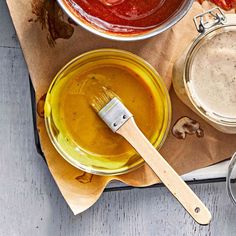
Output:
[[101, 99]]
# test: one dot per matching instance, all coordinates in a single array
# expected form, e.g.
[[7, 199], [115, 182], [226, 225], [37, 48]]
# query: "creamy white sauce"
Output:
[[213, 75]]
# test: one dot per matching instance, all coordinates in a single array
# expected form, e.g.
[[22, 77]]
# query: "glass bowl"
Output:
[[64, 143], [231, 179]]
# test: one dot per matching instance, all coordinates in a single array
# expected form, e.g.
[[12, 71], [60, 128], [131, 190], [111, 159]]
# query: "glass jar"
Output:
[[204, 77]]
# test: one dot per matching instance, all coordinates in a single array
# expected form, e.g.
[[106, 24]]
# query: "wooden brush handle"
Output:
[[165, 172]]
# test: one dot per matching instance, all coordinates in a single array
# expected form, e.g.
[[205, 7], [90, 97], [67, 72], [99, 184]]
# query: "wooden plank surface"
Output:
[[30, 203]]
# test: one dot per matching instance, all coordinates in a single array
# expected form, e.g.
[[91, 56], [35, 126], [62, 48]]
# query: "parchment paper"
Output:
[[49, 41]]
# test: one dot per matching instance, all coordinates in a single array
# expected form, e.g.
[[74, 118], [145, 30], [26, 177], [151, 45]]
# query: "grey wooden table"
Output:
[[30, 202]]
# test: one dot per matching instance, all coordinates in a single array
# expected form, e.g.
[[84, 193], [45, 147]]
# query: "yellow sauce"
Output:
[[84, 125], [75, 128]]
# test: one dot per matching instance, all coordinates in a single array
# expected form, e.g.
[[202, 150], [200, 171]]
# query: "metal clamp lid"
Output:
[[209, 19]]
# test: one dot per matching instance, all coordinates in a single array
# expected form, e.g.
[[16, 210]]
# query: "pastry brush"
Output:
[[114, 113]]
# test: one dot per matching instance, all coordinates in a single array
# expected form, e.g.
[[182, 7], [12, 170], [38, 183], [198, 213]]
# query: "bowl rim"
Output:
[[76, 163], [148, 34]]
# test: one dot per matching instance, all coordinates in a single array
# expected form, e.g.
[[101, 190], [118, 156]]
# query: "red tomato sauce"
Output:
[[126, 16], [224, 4]]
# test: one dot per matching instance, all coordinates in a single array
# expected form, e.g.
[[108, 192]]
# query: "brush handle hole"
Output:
[[197, 210]]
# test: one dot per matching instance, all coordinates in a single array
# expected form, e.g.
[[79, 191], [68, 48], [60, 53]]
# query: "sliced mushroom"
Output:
[[186, 125]]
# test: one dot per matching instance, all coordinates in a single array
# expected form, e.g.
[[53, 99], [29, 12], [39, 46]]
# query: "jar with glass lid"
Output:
[[204, 78]]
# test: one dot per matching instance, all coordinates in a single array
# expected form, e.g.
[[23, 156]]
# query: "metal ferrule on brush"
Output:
[[114, 114]]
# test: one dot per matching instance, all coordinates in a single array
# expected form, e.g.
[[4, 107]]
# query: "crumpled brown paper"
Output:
[[47, 49]]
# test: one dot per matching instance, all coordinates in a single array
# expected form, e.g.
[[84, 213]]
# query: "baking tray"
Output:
[[206, 175]]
